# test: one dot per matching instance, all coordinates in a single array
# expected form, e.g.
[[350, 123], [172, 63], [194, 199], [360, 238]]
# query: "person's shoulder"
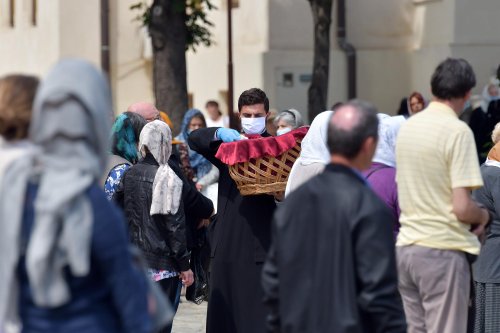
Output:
[[457, 128], [490, 171], [101, 206]]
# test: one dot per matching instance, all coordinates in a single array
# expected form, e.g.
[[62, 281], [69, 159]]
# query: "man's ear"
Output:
[[370, 145], [468, 95]]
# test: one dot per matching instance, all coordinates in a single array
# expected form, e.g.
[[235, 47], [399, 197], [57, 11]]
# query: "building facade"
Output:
[[398, 43]]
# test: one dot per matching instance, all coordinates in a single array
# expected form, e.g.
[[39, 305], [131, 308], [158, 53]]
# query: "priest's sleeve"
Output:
[[204, 142], [270, 284]]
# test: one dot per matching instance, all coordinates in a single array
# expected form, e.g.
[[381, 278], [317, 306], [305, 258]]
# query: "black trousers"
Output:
[[172, 289]]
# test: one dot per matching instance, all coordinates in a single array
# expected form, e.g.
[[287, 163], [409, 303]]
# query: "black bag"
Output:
[[200, 260]]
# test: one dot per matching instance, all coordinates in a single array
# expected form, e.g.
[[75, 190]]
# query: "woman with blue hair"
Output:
[[124, 140], [196, 167]]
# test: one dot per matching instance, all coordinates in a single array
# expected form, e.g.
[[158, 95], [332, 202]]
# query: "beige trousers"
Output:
[[434, 285]]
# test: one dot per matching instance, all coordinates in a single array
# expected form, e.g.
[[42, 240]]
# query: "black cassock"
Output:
[[331, 267], [239, 239]]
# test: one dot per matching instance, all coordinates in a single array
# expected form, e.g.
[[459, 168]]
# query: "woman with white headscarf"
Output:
[[382, 173], [287, 120], [151, 195], [68, 268], [314, 154]]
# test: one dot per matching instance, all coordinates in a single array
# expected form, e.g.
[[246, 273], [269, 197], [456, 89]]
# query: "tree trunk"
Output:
[[318, 90], [168, 36]]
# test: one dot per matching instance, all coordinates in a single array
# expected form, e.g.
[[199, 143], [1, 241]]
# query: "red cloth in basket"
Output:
[[256, 147]]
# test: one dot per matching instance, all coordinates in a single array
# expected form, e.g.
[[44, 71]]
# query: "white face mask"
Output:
[[253, 125], [282, 131]]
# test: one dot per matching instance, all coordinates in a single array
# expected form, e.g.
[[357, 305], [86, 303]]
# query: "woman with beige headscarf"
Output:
[[151, 195], [64, 259]]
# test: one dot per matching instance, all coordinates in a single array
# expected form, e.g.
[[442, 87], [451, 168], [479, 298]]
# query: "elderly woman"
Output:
[[67, 267], [151, 195], [382, 173], [124, 153], [314, 155], [287, 120], [487, 266]]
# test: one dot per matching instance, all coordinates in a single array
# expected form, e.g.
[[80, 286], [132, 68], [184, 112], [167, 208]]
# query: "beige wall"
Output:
[[207, 67], [25, 48], [79, 29], [399, 43], [130, 68]]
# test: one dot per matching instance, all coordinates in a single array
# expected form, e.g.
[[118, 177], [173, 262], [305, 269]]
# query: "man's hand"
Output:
[[187, 278], [227, 134], [279, 196], [199, 187], [479, 229], [203, 223], [152, 306]]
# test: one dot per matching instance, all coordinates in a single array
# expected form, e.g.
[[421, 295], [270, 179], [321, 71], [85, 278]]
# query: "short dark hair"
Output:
[[348, 142], [212, 103], [17, 93], [453, 78], [251, 97]]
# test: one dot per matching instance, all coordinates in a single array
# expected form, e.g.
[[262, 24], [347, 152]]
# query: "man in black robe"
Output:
[[240, 235], [331, 267]]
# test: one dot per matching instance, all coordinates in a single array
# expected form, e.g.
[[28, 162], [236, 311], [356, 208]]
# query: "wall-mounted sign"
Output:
[[288, 80], [305, 78]]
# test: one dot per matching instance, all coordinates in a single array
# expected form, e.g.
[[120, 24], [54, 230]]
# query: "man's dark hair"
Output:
[[347, 142], [453, 78], [498, 72], [212, 103], [251, 97]]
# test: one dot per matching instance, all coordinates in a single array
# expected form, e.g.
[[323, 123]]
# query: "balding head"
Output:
[[147, 110], [350, 126]]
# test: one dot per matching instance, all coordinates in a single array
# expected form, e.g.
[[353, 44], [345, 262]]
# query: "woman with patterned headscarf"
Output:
[[196, 167], [124, 140], [151, 195], [64, 260]]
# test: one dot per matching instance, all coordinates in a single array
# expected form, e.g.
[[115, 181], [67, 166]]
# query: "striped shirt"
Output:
[[435, 152]]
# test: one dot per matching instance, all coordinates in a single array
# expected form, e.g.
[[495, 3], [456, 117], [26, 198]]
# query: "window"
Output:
[[12, 12], [190, 100], [34, 9], [234, 4]]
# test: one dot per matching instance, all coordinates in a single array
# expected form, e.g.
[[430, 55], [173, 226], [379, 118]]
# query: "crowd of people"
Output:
[[387, 223]]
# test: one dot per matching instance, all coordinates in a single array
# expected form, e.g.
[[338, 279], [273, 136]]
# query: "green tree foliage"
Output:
[[197, 24]]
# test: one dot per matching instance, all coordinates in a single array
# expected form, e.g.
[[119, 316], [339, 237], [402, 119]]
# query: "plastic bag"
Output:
[[200, 259]]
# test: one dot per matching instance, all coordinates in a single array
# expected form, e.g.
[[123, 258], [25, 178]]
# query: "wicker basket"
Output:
[[265, 175]]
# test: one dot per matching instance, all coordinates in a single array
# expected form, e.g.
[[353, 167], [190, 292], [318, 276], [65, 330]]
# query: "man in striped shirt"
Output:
[[437, 167]]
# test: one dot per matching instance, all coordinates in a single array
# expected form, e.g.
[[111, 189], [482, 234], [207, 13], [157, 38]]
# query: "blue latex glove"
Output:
[[227, 135]]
